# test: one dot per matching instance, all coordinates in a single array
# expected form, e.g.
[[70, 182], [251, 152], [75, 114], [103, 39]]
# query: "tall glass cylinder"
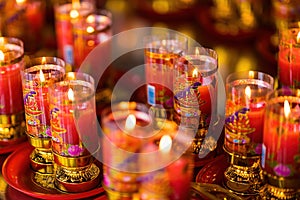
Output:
[[67, 12], [12, 118], [281, 145], [289, 55], [195, 91], [37, 76], [74, 133], [245, 108], [160, 54]]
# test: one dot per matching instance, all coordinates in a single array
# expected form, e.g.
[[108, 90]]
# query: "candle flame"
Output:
[[20, 1], [1, 56], [90, 29], [287, 109], [248, 92], [251, 74], [195, 73], [71, 95], [197, 51], [90, 19], [298, 37], [76, 4], [41, 76], [74, 14], [165, 144], [130, 122]]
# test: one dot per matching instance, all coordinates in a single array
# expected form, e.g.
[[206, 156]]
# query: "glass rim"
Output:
[[250, 74], [12, 41]]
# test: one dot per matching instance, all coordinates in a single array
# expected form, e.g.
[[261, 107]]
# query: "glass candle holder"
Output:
[[245, 106], [89, 32], [160, 53], [288, 56], [66, 14], [74, 133], [195, 91], [37, 76], [12, 118], [281, 145], [124, 126]]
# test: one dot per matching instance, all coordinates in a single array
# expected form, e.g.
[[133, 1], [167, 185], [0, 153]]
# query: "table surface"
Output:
[[235, 53]]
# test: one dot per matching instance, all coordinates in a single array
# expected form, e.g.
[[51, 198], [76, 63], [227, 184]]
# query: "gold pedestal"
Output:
[[12, 129], [41, 158], [244, 176], [280, 188], [76, 174]]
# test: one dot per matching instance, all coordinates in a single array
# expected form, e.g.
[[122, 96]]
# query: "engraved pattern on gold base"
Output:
[[12, 128], [270, 192], [244, 176], [77, 179], [45, 181]]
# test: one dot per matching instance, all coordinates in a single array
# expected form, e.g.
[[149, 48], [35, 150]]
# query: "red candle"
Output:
[[11, 62], [89, 32], [65, 16], [37, 76], [73, 118], [289, 67], [281, 141]]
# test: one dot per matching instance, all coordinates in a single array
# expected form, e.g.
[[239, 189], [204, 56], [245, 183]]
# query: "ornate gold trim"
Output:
[[271, 192], [44, 143], [12, 127], [281, 182], [41, 160]]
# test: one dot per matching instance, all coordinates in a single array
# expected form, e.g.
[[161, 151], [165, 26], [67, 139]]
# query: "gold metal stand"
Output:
[[244, 176], [12, 129], [76, 174]]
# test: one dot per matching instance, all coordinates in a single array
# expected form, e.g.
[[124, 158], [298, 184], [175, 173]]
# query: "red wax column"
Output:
[[160, 53], [289, 56], [73, 117], [11, 62], [281, 141], [245, 105], [65, 15], [89, 32], [38, 75]]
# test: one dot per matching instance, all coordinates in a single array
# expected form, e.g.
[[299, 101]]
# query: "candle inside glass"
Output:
[[245, 104], [72, 116], [89, 32], [281, 141], [289, 56], [37, 76], [66, 14]]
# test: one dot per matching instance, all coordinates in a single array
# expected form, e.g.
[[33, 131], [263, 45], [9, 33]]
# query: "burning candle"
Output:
[[195, 90], [160, 53], [89, 32], [245, 105], [37, 76], [288, 56], [11, 101], [66, 15], [72, 116], [281, 140]]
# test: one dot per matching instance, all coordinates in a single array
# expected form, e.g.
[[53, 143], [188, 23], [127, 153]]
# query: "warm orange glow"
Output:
[[90, 19], [19, 2], [248, 92], [1, 56], [165, 144], [130, 122], [251, 74], [195, 73], [71, 95], [42, 77], [197, 52], [298, 37], [287, 109], [75, 4]]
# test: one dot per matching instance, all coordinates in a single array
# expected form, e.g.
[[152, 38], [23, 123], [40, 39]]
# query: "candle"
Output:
[[245, 103], [281, 140], [38, 75], [288, 57], [195, 91], [73, 118], [90, 32], [160, 54], [65, 15], [11, 101]]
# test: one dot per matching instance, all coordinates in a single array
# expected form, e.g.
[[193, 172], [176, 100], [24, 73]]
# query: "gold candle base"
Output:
[[244, 176], [41, 158], [76, 174], [12, 129], [116, 195], [45, 181]]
